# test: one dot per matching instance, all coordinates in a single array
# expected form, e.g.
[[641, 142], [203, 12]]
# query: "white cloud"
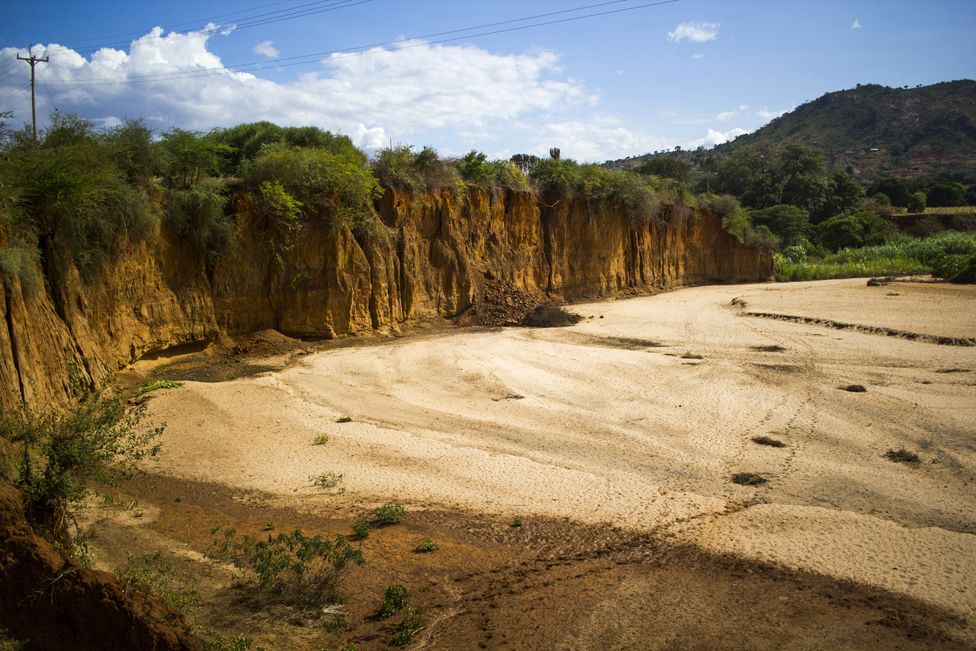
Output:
[[714, 137], [594, 139], [696, 32], [725, 116], [697, 55], [766, 114], [413, 88], [266, 49], [856, 24]]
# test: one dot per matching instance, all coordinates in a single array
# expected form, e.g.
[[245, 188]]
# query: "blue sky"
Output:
[[687, 72]]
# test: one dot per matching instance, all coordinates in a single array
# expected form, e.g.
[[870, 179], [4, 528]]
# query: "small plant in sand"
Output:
[[395, 599], [518, 522], [360, 529], [691, 355], [344, 419], [748, 479], [321, 439], [414, 621], [426, 545], [303, 571], [902, 456], [326, 480], [768, 440], [157, 384], [387, 514]]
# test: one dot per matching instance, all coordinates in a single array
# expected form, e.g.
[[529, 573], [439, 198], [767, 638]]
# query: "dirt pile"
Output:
[[57, 604]]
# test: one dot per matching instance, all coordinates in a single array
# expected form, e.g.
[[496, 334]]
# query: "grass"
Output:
[[152, 575], [518, 521], [157, 384], [388, 514], [902, 256], [321, 439], [361, 529], [902, 456]]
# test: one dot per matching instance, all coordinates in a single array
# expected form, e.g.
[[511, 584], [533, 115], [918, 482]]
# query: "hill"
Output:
[[874, 131]]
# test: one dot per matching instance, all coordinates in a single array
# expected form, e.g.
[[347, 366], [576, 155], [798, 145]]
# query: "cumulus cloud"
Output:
[[766, 114], [595, 138], [266, 49], [714, 137], [372, 97], [697, 32], [856, 24], [725, 116]]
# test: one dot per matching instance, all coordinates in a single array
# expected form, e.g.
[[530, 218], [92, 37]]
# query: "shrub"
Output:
[[414, 621], [97, 439], [916, 202], [476, 169], [388, 514], [360, 529], [395, 599], [518, 521], [426, 545], [853, 230], [300, 181], [196, 215], [305, 571], [967, 274], [321, 439]]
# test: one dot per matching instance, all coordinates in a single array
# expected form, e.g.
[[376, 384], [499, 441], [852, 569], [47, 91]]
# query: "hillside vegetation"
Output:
[[872, 132]]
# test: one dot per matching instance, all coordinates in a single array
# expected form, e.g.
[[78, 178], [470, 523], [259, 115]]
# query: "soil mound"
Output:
[[57, 604]]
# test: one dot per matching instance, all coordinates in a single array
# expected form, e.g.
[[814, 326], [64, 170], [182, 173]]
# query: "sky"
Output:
[[600, 79]]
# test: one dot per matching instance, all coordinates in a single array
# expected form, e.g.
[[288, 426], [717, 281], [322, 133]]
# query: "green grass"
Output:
[[158, 384], [900, 257]]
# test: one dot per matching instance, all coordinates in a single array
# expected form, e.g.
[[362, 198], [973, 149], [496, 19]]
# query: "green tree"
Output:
[[186, 157], [946, 194], [666, 167], [788, 223], [916, 202], [853, 231]]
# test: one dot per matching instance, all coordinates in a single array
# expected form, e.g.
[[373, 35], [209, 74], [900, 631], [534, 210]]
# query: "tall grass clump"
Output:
[[944, 255]]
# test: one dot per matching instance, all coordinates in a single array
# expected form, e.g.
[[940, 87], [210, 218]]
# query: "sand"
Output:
[[638, 416]]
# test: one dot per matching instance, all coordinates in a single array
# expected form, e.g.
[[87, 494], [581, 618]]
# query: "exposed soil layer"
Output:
[[546, 584]]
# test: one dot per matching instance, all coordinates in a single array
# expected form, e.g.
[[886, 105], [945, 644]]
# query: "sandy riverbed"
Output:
[[638, 416]]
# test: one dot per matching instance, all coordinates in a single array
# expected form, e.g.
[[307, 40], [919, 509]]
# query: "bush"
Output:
[[967, 274], [475, 169], [401, 167], [98, 439], [395, 599], [853, 230], [916, 202], [305, 571], [387, 514], [196, 215], [301, 181], [361, 529], [414, 621], [426, 545]]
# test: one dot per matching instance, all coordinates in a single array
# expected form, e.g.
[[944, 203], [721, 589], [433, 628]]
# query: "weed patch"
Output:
[[395, 599], [388, 514], [326, 480], [321, 439], [426, 545]]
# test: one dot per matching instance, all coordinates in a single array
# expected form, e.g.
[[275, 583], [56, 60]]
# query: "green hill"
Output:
[[873, 132]]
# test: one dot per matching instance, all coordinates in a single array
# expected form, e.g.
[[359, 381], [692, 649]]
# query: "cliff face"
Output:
[[431, 258]]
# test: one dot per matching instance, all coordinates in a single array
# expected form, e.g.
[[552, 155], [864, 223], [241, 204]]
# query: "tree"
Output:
[[187, 157], [916, 202], [666, 167], [789, 223], [946, 194], [524, 162], [853, 230]]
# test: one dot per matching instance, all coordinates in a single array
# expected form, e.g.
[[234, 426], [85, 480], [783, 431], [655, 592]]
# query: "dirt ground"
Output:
[[616, 440]]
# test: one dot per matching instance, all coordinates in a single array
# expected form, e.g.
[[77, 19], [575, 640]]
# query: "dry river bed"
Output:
[[617, 441]]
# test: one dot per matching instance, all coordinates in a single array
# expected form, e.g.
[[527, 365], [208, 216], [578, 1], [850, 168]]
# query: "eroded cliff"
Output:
[[430, 256]]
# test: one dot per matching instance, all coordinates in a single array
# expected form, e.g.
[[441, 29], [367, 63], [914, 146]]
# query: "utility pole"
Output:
[[33, 61]]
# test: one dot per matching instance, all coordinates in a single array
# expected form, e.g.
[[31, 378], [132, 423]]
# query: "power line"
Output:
[[360, 50], [103, 39], [299, 11]]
